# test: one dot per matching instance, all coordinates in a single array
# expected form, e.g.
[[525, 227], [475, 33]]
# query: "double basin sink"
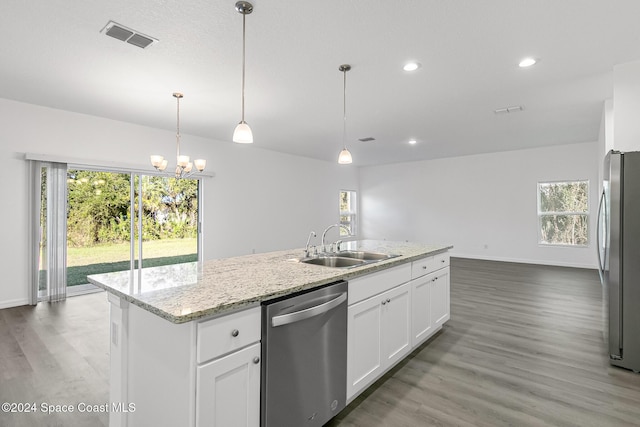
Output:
[[347, 259]]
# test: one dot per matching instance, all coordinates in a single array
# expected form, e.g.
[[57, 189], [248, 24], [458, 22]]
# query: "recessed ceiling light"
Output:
[[527, 62], [413, 141], [411, 66]]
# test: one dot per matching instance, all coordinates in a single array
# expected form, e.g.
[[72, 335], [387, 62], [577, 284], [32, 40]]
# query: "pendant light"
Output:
[[184, 167], [242, 133], [345, 156]]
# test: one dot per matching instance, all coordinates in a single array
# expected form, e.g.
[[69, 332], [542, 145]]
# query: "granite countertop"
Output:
[[184, 292]]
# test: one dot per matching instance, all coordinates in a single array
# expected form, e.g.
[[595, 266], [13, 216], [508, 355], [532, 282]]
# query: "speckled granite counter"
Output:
[[185, 292]]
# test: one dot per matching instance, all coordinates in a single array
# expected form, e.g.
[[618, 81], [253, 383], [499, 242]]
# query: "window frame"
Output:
[[586, 213], [352, 213]]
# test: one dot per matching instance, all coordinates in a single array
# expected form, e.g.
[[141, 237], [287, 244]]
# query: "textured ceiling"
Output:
[[53, 54]]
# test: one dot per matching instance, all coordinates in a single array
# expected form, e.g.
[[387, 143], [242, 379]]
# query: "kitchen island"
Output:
[[185, 339]]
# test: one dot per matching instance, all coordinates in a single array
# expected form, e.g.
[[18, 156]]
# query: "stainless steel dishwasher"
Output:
[[304, 357]]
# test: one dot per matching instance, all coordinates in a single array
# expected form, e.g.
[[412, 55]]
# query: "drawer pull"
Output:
[[442, 261], [424, 267], [388, 300], [384, 302], [256, 360], [235, 333]]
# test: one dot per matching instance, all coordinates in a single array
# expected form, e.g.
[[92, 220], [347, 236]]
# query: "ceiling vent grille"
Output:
[[122, 33]]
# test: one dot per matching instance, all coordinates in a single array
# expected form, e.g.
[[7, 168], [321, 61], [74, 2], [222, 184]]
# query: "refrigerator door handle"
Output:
[[599, 237]]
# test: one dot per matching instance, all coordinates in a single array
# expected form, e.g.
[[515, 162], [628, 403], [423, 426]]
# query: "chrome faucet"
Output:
[[306, 248], [324, 233]]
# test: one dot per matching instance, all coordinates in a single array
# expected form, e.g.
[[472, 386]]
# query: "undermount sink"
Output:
[[365, 255], [333, 261], [346, 259]]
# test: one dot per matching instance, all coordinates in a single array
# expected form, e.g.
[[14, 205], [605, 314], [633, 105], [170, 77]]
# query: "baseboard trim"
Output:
[[526, 261], [13, 303]]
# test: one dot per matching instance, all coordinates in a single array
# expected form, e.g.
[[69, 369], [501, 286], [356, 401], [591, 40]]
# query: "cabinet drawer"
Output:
[[422, 266], [429, 265], [361, 288], [225, 334], [441, 260]]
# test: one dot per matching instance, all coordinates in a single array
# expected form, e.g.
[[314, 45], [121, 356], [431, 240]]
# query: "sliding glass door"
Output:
[[115, 221]]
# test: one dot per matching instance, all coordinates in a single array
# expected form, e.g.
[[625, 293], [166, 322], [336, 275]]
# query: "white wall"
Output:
[[259, 200], [473, 201], [626, 106]]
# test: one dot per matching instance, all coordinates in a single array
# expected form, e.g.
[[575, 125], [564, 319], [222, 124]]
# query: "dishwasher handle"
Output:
[[297, 316]]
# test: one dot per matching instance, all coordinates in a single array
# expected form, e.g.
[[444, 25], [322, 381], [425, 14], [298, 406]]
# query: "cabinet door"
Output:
[[228, 390], [396, 323], [421, 325], [363, 344], [440, 298]]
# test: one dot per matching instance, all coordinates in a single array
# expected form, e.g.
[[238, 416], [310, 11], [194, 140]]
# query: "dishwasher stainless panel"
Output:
[[304, 357]]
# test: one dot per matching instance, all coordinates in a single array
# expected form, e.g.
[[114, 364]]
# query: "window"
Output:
[[348, 213], [563, 213]]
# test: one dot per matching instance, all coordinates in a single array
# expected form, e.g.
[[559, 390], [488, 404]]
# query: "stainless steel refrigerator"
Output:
[[619, 257]]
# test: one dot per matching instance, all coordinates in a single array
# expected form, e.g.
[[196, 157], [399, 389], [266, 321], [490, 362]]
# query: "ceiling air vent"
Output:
[[120, 32], [367, 139]]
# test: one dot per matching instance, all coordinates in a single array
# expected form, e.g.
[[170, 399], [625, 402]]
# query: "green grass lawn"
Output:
[[109, 258]]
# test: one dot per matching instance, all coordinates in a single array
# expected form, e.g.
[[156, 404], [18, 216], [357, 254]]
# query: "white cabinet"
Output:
[[228, 374], [378, 336], [421, 324], [440, 305], [429, 304], [396, 324], [228, 390], [390, 314]]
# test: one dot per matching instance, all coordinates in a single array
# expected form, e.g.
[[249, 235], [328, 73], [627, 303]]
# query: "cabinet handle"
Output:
[[424, 267], [384, 302], [388, 300], [442, 261], [256, 360], [235, 333]]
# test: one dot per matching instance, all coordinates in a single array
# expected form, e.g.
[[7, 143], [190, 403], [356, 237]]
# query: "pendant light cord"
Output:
[[344, 110], [244, 17]]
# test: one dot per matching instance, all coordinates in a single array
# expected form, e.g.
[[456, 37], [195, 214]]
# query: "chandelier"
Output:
[[184, 168]]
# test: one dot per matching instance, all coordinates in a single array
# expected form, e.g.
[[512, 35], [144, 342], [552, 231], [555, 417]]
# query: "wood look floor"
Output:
[[55, 354], [523, 348]]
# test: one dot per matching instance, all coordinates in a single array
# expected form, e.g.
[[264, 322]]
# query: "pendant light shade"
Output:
[[242, 134], [345, 156]]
